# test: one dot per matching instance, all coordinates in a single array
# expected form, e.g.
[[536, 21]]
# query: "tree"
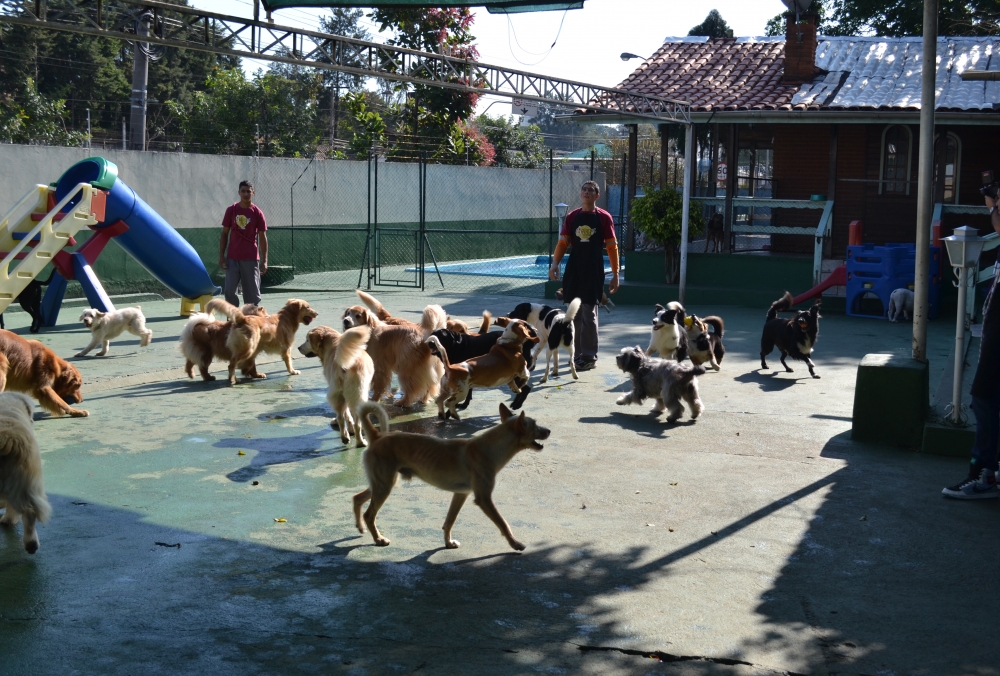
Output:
[[514, 146], [344, 21], [658, 216], [714, 26], [430, 114], [226, 117], [31, 118], [898, 18]]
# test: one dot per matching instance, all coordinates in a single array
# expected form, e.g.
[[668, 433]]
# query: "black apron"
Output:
[[584, 277], [986, 383]]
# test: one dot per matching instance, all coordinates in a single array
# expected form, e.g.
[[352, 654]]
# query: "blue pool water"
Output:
[[521, 267]]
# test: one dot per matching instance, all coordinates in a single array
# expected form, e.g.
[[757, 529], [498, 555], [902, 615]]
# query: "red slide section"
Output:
[[837, 278]]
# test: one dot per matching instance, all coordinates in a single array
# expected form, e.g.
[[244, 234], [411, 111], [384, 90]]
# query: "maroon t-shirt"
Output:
[[570, 226], [243, 224]]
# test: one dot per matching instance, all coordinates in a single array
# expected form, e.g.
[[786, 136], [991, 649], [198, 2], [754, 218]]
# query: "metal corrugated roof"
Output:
[[884, 73]]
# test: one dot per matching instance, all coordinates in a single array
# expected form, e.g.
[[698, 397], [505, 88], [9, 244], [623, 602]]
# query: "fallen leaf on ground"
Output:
[[280, 520], [240, 453]]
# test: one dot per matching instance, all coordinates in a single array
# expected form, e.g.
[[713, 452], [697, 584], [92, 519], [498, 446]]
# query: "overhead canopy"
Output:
[[492, 6]]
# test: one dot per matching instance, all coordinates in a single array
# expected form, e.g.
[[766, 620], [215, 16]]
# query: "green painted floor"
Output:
[[758, 540]]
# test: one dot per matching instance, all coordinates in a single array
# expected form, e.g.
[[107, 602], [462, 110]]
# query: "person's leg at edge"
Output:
[[250, 272], [585, 335], [232, 281], [981, 482]]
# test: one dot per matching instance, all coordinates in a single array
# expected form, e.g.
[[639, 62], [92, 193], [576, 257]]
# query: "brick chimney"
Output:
[[800, 49]]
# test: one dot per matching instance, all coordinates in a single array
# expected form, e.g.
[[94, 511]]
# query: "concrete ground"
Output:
[[758, 540]]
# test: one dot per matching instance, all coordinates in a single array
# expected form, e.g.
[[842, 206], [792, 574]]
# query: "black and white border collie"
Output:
[[668, 337], [555, 330], [796, 336]]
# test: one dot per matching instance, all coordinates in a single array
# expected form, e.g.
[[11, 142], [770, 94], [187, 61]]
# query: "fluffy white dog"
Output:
[[21, 488], [901, 303], [107, 325]]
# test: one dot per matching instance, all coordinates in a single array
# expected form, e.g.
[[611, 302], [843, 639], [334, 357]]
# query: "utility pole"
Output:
[[925, 182], [140, 80]]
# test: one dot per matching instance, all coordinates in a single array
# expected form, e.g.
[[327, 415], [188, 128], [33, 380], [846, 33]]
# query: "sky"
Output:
[[588, 41]]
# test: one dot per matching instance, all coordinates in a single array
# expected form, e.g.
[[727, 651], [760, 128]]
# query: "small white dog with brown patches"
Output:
[[107, 325], [22, 492]]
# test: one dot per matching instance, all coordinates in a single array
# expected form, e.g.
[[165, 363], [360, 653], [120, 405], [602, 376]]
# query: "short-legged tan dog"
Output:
[[459, 466], [504, 364], [348, 371], [22, 492], [275, 334]]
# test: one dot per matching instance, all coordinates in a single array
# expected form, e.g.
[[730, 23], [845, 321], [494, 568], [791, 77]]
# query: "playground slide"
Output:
[[145, 236], [838, 277]]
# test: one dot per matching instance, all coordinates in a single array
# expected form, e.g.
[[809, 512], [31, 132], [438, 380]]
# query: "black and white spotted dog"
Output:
[[668, 337], [664, 380], [795, 337], [555, 330]]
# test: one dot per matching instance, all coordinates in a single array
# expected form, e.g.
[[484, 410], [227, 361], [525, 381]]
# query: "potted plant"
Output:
[[657, 215]]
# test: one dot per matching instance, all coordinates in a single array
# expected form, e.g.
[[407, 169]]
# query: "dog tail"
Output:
[[573, 308], [675, 305], [437, 348], [487, 320], [352, 344], [783, 304], [221, 306], [434, 318], [368, 408], [373, 305], [716, 323], [689, 373]]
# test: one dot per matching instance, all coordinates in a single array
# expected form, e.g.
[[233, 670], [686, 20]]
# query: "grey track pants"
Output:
[[246, 273], [585, 331]]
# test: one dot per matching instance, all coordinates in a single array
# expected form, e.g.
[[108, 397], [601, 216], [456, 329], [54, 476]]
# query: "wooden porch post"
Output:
[[732, 161], [664, 154]]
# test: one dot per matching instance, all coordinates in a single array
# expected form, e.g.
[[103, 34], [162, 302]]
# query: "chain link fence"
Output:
[[343, 224]]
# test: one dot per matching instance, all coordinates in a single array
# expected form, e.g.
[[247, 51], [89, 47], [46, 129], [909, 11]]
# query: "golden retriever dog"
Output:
[[459, 466], [399, 348], [204, 338], [273, 334], [30, 367], [21, 488], [504, 364], [348, 371]]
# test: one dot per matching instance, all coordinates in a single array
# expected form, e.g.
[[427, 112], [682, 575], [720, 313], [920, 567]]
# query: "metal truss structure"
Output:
[[189, 28]]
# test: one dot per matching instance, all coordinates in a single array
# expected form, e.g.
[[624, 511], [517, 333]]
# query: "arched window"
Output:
[[894, 175], [947, 168]]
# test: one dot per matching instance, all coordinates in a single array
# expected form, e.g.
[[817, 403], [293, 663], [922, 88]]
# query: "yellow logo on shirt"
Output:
[[242, 222], [585, 232]]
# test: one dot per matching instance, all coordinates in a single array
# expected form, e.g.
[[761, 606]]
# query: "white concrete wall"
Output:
[[193, 191]]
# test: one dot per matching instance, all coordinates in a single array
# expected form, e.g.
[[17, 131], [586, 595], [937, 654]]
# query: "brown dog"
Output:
[[204, 338], [400, 348], [716, 232], [274, 334], [460, 466], [348, 370], [504, 364], [30, 367]]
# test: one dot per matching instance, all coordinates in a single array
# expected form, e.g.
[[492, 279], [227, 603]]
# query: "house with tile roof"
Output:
[[827, 120]]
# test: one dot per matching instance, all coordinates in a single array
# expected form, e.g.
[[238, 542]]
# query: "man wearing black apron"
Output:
[[590, 231], [982, 479]]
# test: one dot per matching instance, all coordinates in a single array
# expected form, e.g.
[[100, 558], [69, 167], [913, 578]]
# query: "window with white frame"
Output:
[[897, 145]]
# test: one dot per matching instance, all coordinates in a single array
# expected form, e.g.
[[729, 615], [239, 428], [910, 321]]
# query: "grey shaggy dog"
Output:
[[665, 380]]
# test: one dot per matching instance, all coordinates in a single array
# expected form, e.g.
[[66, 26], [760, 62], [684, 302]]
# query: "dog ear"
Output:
[[519, 424], [505, 413], [99, 314], [659, 308]]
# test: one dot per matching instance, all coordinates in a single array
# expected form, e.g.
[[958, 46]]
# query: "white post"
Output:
[[925, 182], [956, 388], [686, 210]]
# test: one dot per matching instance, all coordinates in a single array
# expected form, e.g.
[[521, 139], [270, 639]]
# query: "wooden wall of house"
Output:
[[801, 169]]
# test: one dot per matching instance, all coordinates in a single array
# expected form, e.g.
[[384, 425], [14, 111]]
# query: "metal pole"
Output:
[[551, 233], [124, 136], [593, 156], [140, 79], [956, 387], [686, 211], [88, 128], [925, 182]]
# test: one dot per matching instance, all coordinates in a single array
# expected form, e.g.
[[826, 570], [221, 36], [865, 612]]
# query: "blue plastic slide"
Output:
[[150, 240]]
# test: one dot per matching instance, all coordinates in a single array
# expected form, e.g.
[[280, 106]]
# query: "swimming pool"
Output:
[[521, 267]]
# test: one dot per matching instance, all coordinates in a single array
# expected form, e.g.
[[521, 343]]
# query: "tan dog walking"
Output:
[[460, 466]]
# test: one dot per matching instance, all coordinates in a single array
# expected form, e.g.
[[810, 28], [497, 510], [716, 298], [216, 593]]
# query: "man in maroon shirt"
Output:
[[587, 232], [243, 227]]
